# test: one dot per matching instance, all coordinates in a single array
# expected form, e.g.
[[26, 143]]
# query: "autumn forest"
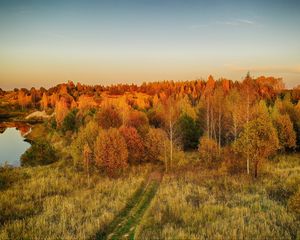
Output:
[[201, 159]]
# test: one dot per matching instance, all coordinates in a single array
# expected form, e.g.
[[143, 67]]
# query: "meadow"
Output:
[[58, 202], [207, 204]]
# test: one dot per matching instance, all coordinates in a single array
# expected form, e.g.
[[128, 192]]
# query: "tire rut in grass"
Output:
[[124, 225]]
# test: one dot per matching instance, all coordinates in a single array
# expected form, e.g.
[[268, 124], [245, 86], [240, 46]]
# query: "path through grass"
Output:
[[124, 225]]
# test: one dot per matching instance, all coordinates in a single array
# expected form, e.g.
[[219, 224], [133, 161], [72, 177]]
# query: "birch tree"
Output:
[[172, 112]]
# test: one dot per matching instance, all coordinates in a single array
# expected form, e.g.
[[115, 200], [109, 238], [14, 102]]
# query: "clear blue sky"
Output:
[[104, 42]]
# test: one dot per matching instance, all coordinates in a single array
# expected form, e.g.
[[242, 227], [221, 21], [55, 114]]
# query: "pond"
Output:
[[12, 144]]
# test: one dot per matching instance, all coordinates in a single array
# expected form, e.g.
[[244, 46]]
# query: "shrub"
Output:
[[111, 151], [40, 153], [279, 192], [233, 161], [6, 176], [294, 204], [282, 190], [53, 123], [179, 159], [208, 152]]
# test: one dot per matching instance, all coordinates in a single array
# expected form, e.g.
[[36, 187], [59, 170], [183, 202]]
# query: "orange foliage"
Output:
[[134, 144], [109, 117], [44, 101], [155, 144], [62, 108], [111, 151], [139, 121]]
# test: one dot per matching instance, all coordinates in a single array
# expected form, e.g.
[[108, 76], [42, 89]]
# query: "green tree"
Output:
[[86, 135], [40, 153], [285, 106], [188, 130], [285, 130], [69, 122], [258, 140]]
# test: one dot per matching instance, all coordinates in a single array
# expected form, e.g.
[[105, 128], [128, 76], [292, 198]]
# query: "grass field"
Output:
[[124, 225], [201, 204], [55, 202]]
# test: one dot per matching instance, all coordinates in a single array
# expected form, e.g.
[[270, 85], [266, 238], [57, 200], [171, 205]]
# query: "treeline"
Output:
[[266, 87], [235, 125]]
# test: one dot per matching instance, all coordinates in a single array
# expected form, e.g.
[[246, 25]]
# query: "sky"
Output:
[[43, 43]]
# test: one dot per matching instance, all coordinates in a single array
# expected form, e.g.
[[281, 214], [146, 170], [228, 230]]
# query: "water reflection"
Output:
[[12, 144]]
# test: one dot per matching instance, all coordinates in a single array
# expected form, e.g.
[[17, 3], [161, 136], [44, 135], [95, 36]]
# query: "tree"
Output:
[[34, 97], [134, 142], [235, 111], [54, 99], [286, 133], [189, 131], [155, 117], [209, 152], [85, 103], [186, 107], [250, 92], [86, 135], [201, 117], [258, 141], [40, 153], [155, 145], [285, 106], [44, 101], [111, 151], [208, 91], [109, 117], [171, 114], [61, 110], [139, 121], [23, 99], [69, 122], [124, 108], [217, 109]]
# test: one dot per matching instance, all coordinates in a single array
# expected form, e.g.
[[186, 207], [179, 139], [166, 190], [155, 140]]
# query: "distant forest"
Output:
[[232, 124]]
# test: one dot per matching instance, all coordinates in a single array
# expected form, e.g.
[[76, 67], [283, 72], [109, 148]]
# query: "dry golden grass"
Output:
[[56, 202], [212, 205]]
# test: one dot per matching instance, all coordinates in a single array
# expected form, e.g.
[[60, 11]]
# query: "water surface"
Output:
[[12, 146]]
